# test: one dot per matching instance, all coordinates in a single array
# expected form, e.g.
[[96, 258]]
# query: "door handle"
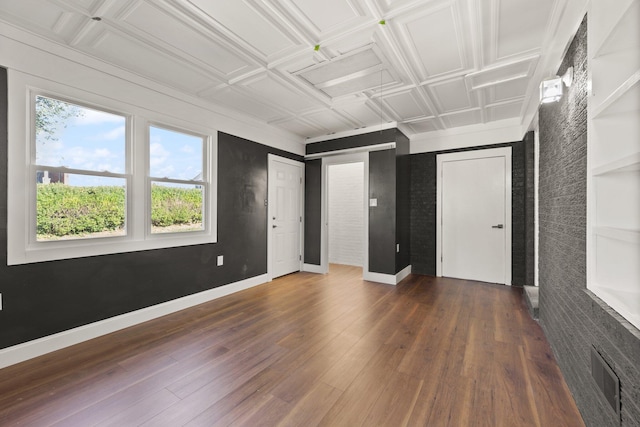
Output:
[[498, 226]]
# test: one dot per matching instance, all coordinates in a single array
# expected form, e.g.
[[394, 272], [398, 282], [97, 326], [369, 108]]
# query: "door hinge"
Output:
[[300, 257], [300, 219]]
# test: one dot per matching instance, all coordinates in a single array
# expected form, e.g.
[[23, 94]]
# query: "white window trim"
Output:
[[21, 245], [206, 175]]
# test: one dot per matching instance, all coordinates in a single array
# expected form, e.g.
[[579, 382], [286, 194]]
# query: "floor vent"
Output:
[[606, 379]]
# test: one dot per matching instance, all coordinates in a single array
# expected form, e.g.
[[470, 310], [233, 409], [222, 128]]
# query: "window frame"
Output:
[[206, 167], [33, 242], [22, 246]]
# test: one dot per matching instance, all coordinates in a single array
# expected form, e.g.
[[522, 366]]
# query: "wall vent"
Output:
[[606, 379]]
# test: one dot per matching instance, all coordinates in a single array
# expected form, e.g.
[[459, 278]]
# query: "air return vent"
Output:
[[606, 379]]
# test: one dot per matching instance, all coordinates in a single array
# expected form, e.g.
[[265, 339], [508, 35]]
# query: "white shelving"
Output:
[[627, 163], [624, 99], [614, 155], [629, 236], [622, 32]]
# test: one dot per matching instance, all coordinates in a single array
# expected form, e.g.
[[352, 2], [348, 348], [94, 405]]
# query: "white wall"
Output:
[[345, 213]]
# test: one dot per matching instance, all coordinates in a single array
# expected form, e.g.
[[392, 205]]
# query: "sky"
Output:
[[95, 141]]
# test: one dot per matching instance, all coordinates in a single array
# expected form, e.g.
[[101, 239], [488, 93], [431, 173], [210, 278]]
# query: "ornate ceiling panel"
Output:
[[315, 68]]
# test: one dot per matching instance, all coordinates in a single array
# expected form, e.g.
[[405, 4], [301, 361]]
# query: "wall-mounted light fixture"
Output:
[[551, 89]]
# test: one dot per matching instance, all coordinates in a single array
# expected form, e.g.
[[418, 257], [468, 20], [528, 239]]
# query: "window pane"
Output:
[[73, 206], [79, 137], [174, 155], [176, 207]]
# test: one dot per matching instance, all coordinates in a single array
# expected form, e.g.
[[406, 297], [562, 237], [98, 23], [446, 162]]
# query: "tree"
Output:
[[51, 115]]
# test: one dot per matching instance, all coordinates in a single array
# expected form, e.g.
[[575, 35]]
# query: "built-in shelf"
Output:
[[613, 239], [630, 236], [624, 99], [624, 34], [625, 164]]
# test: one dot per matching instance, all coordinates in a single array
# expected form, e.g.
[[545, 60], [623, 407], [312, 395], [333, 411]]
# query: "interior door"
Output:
[[475, 218], [285, 185]]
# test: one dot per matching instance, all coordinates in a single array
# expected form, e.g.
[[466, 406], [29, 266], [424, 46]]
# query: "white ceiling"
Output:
[[317, 67]]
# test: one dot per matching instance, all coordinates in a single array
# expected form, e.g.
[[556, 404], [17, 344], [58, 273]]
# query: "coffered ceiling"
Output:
[[316, 67]]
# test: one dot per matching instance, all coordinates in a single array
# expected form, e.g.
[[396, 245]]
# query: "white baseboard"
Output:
[[388, 279], [403, 273], [29, 350], [312, 268]]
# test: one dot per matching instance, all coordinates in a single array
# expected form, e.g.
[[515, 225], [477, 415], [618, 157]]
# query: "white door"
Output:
[[475, 216], [285, 189]]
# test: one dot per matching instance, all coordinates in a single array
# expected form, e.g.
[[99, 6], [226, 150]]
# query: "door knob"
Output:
[[274, 226], [498, 226]]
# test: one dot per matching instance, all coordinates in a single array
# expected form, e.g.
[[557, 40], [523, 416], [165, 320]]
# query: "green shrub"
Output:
[[175, 206], [64, 210]]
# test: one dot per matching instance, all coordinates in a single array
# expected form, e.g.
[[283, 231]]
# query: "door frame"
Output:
[[362, 157], [271, 202], [471, 155]]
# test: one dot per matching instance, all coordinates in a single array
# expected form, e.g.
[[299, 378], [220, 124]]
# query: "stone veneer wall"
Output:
[[573, 318]]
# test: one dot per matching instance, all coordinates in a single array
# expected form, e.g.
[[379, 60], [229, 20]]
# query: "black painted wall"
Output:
[[389, 182], [382, 218], [4, 117], [423, 213], [423, 210], [312, 211], [242, 210], [41, 299], [518, 212], [355, 141], [574, 320], [403, 202], [529, 210]]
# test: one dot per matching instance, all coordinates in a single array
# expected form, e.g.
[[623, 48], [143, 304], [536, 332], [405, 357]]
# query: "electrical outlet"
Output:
[[220, 260], [373, 202]]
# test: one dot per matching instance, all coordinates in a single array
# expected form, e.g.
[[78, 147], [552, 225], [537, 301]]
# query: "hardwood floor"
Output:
[[309, 350]]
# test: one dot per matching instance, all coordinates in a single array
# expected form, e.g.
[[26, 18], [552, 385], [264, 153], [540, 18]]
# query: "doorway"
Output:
[[327, 163], [285, 205], [474, 215], [345, 201]]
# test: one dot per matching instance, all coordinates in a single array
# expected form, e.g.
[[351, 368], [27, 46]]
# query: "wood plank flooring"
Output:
[[309, 350]]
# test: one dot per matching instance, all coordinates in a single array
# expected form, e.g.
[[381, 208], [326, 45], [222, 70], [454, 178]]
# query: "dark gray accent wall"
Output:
[[529, 211], [4, 147], [423, 210], [518, 212], [312, 211], [423, 213], [403, 199], [45, 298], [382, 218], [574, 320], [355, 141], [389, 182], [242, 209]]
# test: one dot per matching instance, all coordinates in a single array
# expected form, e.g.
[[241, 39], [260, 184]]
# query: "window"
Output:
[[91, 175], [80, 171], [176, 184]]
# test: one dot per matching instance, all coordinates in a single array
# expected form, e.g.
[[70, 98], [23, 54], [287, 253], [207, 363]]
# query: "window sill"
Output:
[[59, 250]]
